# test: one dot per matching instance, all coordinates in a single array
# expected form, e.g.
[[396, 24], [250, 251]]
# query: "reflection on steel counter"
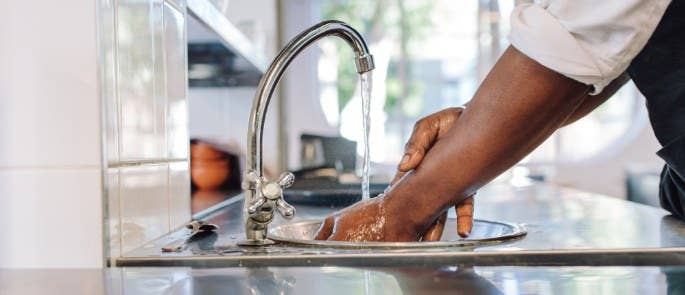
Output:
[[442, 279]]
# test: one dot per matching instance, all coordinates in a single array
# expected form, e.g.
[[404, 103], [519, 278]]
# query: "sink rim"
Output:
[[518, 232]]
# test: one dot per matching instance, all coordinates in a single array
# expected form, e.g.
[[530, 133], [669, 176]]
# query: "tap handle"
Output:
[[286, 210], [270, 192], [252, 209], [286, 179], [273, 191]]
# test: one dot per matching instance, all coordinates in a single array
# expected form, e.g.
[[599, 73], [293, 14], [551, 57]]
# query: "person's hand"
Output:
[[368, 220], [427, 132], [379, 220]]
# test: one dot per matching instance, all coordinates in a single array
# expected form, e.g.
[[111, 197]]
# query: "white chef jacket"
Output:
[[590, 41]]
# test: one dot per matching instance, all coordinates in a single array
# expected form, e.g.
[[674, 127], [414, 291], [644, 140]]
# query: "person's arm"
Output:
[[591, 102], [432, 128], [518, 106]]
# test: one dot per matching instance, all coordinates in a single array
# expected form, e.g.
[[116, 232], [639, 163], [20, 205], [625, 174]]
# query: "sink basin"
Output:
[[301, 233]]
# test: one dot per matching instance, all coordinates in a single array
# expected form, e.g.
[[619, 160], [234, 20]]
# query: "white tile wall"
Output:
[[142, 126], [51, 171], [108, 80], [51, 218], [113, 221], [179, 192], [152, 109], [159, 82], [45, 82], [51, 204], [144, 204], [177, 82]]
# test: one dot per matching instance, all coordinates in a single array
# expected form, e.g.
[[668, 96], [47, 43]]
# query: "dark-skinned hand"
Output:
[[427, 132], [371, 220]]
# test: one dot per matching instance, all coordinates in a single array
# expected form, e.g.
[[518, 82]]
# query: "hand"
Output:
[[368, 220], [426, 132], [378, 219]]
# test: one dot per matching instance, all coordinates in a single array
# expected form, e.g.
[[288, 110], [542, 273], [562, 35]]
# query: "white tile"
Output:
[[49, 99], [113, 219], [51, 218], [142, 105], [108, 81], [177, 82], [179, 194], [144, 204], [159, 81]]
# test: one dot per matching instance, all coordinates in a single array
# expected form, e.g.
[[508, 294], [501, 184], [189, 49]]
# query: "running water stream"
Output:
[[366, 84]]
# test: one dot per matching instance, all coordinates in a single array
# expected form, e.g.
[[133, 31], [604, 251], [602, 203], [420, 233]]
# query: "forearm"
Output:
[[516, 108]]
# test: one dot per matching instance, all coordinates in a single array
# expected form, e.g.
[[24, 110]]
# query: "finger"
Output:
[[419, 142], [325, 229], [465, 217], [425, 132], [413, 153], [434, 233]]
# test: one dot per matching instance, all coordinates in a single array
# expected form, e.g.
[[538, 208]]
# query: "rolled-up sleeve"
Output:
[[590, 41]]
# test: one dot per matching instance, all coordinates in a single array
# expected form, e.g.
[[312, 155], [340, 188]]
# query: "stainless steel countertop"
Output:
[[565, 227], [345, 280]]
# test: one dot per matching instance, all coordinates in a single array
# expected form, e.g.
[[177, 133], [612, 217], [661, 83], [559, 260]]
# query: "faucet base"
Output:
[[256, 243]]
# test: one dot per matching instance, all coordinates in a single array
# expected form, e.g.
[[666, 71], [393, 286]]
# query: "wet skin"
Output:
[[453, 153]]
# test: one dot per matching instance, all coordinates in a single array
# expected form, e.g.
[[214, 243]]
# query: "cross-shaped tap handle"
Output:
[[273, 190]]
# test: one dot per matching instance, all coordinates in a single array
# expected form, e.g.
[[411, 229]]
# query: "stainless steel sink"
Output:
[[484, 232]]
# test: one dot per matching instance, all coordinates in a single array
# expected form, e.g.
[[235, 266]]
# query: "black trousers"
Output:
[[659, 73]]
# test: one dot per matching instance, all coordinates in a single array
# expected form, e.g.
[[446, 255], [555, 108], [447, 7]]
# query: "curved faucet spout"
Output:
[[267, 86], [262, 197]]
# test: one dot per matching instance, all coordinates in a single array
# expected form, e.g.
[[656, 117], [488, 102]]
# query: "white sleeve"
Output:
[[590, 41]]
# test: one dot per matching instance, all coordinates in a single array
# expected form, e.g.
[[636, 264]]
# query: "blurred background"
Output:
[[430, 55], [126, 119]]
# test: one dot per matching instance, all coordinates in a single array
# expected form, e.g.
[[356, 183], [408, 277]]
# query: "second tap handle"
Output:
[[256, 206], [286, 210]]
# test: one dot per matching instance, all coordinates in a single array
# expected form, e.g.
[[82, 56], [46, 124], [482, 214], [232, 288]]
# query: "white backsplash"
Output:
[[51, 205], [94, 156], [147, 123]]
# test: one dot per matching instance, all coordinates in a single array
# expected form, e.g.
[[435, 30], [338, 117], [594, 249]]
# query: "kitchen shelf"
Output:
[[242, 63]]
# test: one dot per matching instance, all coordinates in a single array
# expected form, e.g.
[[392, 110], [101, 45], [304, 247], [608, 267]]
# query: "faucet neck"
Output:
[[267, 85]]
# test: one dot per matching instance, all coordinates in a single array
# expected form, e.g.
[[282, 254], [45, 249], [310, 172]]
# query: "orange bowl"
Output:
[[203, 151], [209, 175]]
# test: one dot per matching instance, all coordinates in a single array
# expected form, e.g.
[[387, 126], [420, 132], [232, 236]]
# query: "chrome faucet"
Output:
[[262, 196]]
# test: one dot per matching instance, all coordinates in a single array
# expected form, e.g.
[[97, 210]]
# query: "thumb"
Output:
[[420, 141], [425, 132]]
